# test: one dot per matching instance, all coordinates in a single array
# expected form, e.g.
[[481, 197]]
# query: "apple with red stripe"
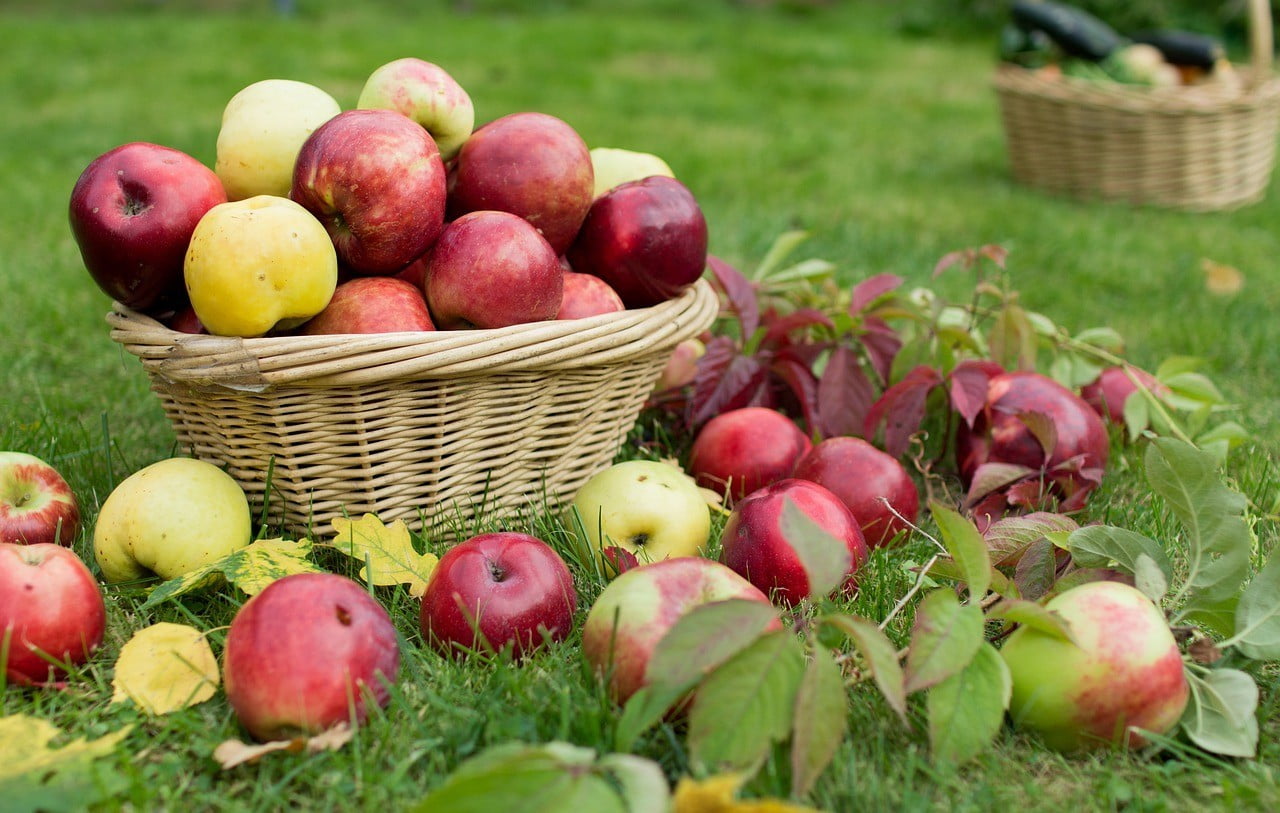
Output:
[[36, 504]]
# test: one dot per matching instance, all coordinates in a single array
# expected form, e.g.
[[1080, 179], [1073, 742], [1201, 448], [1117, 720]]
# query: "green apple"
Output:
[[425, 93], [613, 166], [263, 127], [650, 509], [170, 518]]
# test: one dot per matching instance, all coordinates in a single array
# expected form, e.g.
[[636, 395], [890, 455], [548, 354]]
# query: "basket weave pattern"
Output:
[[416, 426]]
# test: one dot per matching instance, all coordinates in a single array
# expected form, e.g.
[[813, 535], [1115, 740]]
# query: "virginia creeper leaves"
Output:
[[967, 709], [944, 639], [901, 409], [844, 394], [820, 720], [967, 548], [879, 657], [825, 558]]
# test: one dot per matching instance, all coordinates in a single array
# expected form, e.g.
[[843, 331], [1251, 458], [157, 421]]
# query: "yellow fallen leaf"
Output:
[[251, 569], [231, 753], [715, 794], [165, 667], [24, 747], [1221, 280], [386, 550]]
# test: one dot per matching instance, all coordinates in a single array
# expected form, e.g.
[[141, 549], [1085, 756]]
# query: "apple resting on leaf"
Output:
[[51, 610], [36, 504], [745, 449], [873, 484]]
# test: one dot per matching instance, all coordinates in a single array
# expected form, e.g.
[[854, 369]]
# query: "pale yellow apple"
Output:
[[263, 127], [170, 518], [256, 264], [614, 166]]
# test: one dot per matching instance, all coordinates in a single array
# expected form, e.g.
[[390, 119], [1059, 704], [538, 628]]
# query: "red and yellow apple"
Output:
[[37, 506], [428, 95], [51, 612], [613, 166], [742, 450], [372, 305]]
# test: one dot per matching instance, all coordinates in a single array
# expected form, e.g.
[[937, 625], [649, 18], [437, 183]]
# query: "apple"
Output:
[[375, 180], [649, 508], [636, 610], [310, 651], [585, 295], [372, 305], [186, 321], [428, 95], [259, 264], [741, 450], [50, 609], [133, 210], [530, 164], [1123, 671], [872, 483], [497, 590], [613, 166], [646, 238], [37, 506], [682, 368], [170, 518], [492, 269], [755, 545], [1108, 392], [263, 127], [415, 273]]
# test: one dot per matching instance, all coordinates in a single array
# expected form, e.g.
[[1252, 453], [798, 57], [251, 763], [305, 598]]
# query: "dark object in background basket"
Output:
[[1076, 31]]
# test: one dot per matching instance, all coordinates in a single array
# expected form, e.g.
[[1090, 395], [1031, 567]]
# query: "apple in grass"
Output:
[[492, 269], [586, 295], [873, 485], [529, 164], [37, 506], [425, 93], [132, 213], [310, 651], [497, 590], [51, 612], [1121, 671], [742, 450], [1108, 392], [372, 305]]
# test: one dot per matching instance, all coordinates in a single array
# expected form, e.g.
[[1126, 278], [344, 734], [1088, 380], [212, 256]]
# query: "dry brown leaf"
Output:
[[231, 753], [165, 667], [1221, 280]]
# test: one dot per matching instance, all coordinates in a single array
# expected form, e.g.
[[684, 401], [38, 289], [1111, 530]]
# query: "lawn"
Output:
[[886, 149]]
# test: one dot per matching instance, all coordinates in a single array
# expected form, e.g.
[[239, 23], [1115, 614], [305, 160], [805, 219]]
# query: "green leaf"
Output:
[[641, 782], [782, 247], [880, 656], [1008, 537], [1012, 339], [1102, 337], [826, 560], [943, 640], [1175, 365], [821, 720], [1220, 715], [756, 690], [811, 269], [1037, 569], [36, 776], [1195, 388], [251, 569], [1031, 614], [967, 709], [948, 569], [1230, 432], [1137, 415], [967, 547], [1149, 579], [1257, 632], [1101, 545]]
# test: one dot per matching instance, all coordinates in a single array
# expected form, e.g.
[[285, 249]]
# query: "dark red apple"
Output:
[[496, 590], [646, 238], [1113, 386], [530, 164], [133, 210], [755, 545], [374, 178], [372, 305], [51, 609], [586, 295], [745, 449], [415, 273], [310, 651], [492, 269], [37, 506], [186, 321], [872, 484]]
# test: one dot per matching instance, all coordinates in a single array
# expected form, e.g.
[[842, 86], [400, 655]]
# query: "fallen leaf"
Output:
[[231, 753], [1204, 650], [715, 794], [24, 747], [1221, 280], [386, 550], [251, 569], [165, 667]]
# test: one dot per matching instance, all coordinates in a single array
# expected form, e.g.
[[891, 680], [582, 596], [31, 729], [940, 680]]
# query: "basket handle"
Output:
[[1260, 43]]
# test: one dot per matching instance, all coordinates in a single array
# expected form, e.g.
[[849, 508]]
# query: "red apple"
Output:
[[186, 321], [1108, 392], [492, 269], [36, 504], [745, 449], [50, 608], [530, 164], [495, 590], [133, 210], [415, 273], [374, 178], [646, 238], [755, 545], [310, 651], [372, 305], [865, 479], [586, 295]]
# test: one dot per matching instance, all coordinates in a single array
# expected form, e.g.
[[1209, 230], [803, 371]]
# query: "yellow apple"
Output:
[[613, 166], [256, 264], [170, 518], [263, 127]]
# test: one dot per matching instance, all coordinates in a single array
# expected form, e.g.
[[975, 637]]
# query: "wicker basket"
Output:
[[1197, 148], [433, 428]]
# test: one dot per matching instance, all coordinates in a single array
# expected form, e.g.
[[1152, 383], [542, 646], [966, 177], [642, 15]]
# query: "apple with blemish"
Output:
[[586, 295], [51, 612], [425, 93], [742, 450], [873, 484], [37, 506], [372, 305]]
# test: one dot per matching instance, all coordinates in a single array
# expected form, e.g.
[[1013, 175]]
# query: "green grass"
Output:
[[888, 150]]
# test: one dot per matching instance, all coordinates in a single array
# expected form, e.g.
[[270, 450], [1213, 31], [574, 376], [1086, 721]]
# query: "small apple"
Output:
[[682, 367], [36, 504], [741, 450], [50, 609], [586, 295], [646, 238], [530, 164], [259, 264], [496, 590], [133, 210], [1122, 672], [1108, 392], [873, 484], [755, 545], [492, 269], [428, 95], [375, 180], [263, 127], [186, 321], [613, 167], [637, 609], [170, 518], [310, 651], [372, 305], [650, 509]]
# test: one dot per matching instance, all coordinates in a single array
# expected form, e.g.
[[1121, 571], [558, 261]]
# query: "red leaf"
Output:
[[844, 395], [739, 291], [1031, 493], [901, 409], [968, 387], [797, 375], [1043, 429], [995, 253], [871, 289], [882, 343], [951, 258], [779, 329], [990, 478], [725, 380]]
